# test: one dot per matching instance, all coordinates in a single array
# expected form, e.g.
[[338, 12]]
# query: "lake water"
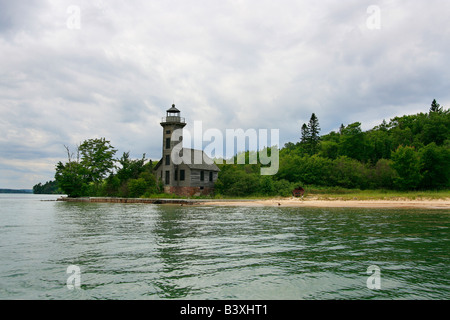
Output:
[[143, 251]]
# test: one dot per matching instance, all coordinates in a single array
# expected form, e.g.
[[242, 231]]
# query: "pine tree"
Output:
[[314, 130], [305, 134], [310, 135], [435, 107]]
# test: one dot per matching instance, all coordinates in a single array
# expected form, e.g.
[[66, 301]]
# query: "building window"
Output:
[[175, 177], [167, 143], [167, 131], [210, 176], [202, 175], [167, 177], [181, 175], [167, 160]]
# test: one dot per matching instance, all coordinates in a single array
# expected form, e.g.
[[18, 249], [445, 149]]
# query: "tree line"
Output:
[[15, 191], [410, 152], [49, 187], [93, 170]]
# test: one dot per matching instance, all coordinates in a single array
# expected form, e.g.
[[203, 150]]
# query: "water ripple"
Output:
[[165, 252]]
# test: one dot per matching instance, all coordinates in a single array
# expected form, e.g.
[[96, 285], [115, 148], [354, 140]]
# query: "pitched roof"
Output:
[[199, 160]]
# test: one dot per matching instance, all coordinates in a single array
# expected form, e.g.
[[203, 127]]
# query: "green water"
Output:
[[138, 251]]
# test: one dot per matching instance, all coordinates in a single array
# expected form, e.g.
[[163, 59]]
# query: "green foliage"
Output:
[[305, 134], [314, 170], [435, 166], [329, 149], [137, 187], [129, 169], [111, 186], [92, 173], [71, 179], [246, 180], [310, 135], [352, 143], [384, 174], [50, 187], [283, 187], [236, 180], [82, 177], [378, 144], [97, 158], [134, 178], [267, 186], [435, 107], [436, 128], [409, 152], [349, 173], [406, 153], [405, 161]]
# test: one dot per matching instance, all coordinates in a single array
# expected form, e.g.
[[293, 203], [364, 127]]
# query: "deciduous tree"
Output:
[[97, 157], [406, 163]]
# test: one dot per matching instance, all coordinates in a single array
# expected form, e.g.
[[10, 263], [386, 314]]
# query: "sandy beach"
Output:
[[293, 202], [279, 202]]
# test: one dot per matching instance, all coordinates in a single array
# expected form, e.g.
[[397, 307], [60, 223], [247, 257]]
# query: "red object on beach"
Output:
[[298, 192]]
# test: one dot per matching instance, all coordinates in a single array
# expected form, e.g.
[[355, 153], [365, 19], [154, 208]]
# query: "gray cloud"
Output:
[[231, 64]]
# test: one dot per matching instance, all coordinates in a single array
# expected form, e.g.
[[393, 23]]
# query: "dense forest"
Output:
[[411, 152], [49, 187]]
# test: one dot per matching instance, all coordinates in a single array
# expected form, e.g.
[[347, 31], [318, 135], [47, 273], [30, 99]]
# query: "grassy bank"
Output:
[[327, 193], [336, 193]]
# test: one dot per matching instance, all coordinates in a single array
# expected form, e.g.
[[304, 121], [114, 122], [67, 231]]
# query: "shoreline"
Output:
[[315, 203], [284, 202]]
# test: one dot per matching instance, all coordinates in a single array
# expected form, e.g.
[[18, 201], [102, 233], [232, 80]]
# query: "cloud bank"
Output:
[[74, 70]]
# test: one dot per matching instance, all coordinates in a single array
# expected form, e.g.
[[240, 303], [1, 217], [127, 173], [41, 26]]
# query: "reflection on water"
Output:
[[135, 251]]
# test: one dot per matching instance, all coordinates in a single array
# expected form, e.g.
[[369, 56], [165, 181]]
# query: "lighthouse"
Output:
[[186, 179]]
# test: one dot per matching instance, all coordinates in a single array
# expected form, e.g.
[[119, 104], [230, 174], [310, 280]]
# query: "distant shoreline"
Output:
[[285, 202], [20, 191]]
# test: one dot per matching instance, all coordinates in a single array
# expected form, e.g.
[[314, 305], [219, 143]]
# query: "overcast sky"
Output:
[[75, 70]]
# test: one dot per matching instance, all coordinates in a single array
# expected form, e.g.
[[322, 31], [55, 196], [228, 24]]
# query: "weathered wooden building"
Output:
[[183, 171]]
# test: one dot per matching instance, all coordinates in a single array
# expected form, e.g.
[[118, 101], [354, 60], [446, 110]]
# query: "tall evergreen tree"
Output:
[[435, 107], [310, 135], [314, 130], [305, 134]]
